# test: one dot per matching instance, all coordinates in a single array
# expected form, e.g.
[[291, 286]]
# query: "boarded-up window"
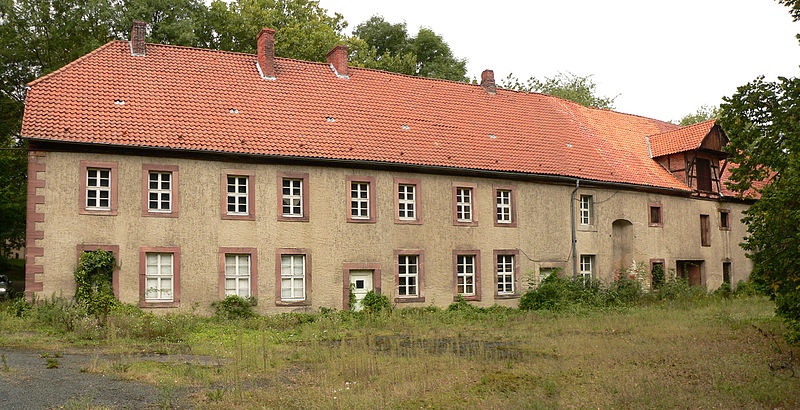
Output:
[[726, 272], [705, 240], [703, 174]]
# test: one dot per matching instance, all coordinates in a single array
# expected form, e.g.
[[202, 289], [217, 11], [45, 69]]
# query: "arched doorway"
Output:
[[622, 234]]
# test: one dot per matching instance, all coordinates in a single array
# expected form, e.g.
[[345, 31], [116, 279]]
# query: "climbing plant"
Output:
[[93, 279]]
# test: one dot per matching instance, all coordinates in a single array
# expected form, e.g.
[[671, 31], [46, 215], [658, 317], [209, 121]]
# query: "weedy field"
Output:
[[705, 352]]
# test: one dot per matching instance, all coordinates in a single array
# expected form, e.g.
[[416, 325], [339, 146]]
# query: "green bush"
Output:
[[657, 276], [787, 306], [623, 292], [748, 288], [61, 314], [678, 289], [93, 279], [374, 302], [557, 293], [234, 307], [724, 290]]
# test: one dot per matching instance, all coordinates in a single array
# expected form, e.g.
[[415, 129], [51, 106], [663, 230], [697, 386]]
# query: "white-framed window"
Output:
[[586, 205], [237, 275], [159, 191], [407, 275], [238, 190], [359, 200], [587, 268], [464, 204], [505, 274], [406, 202], [465, 275], [503, 206], [98, 189], [292, 197], [293, 277], [159, 277]]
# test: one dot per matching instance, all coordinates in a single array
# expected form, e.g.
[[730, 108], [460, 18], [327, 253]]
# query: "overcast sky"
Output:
[[663, 58]]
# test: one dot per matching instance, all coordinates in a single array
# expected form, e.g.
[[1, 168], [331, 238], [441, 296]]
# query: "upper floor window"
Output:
[[238, 194], [586, 210], [724, 219], [464, 204], [655, 215], [505, 205], [98, 189], [703, 174], [587, 268], [293, 197], [705, 232], [407, 201], [292, 192], [98, 194], [361, 199], [160, 190]]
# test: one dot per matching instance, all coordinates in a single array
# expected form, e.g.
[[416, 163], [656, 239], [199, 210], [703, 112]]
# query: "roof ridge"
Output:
[[71, 64]]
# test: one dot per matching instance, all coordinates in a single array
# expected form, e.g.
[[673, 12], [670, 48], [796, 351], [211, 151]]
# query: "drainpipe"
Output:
[[572, 220]]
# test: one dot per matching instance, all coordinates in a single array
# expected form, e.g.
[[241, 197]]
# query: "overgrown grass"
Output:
[[698, 350]]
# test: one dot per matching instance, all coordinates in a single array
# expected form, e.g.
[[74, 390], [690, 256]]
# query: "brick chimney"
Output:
[[138, 34], [337, 58], [266, 53], [487, 82]]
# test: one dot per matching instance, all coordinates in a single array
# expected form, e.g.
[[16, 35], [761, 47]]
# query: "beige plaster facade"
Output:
[[542, 234]]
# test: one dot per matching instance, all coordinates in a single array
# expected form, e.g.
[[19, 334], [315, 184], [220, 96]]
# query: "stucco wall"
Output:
[[542, 234]]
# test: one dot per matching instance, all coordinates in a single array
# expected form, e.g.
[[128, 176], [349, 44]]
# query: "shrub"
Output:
[[746, 289], [679, 289], [557, 293], [623, 292], [374, 302], [93, 282], [657, 276], [59, 313], [788, 307], [234, 307], [460, 305], [724, 290]]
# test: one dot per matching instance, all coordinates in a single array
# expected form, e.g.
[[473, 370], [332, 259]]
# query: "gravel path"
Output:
[[27, 383]]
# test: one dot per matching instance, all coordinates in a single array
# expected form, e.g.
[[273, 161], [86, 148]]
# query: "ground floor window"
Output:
[[587, 268], [407, 275], [237, 275], [159, 277], [293, 277], [505, 274]]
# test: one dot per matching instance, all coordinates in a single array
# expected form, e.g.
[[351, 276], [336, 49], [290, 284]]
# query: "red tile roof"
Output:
[[683, 139], [206, 100]]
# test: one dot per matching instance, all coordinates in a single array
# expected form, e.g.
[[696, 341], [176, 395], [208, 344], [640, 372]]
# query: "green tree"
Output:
[[379, 44], [569, 86], [704, 113], [762, 120], [794, 9]]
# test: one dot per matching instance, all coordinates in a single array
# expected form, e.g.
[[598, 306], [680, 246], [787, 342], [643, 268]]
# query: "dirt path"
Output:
[[27, 383]]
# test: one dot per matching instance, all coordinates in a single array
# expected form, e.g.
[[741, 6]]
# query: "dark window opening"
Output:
[[726, 272], [703, 174], [724, 220], [705, 239], [655, 215]]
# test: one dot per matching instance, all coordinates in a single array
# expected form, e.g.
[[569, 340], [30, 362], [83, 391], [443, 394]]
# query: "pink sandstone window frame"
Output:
[[473, 204], [307, 274], [253, 252], [81, 248], [113, 185], [513, 190], [251, 194], [514, 253], [347, 267], [176, 276], [372, 211], [650, 223], [417, 201], [476, 254], [303, 176], [420, 254], [174, 187]]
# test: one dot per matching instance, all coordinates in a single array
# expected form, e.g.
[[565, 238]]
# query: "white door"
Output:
[[360, 283]]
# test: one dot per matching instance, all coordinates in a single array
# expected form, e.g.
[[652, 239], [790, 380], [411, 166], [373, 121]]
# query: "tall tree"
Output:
[[704, 113], [569, 86], [385, 46]]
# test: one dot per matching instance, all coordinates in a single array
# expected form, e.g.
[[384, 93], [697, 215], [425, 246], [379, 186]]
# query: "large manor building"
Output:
[[210, 173]]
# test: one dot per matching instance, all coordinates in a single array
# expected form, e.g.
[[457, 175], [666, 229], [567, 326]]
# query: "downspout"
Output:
[[572, 221]]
